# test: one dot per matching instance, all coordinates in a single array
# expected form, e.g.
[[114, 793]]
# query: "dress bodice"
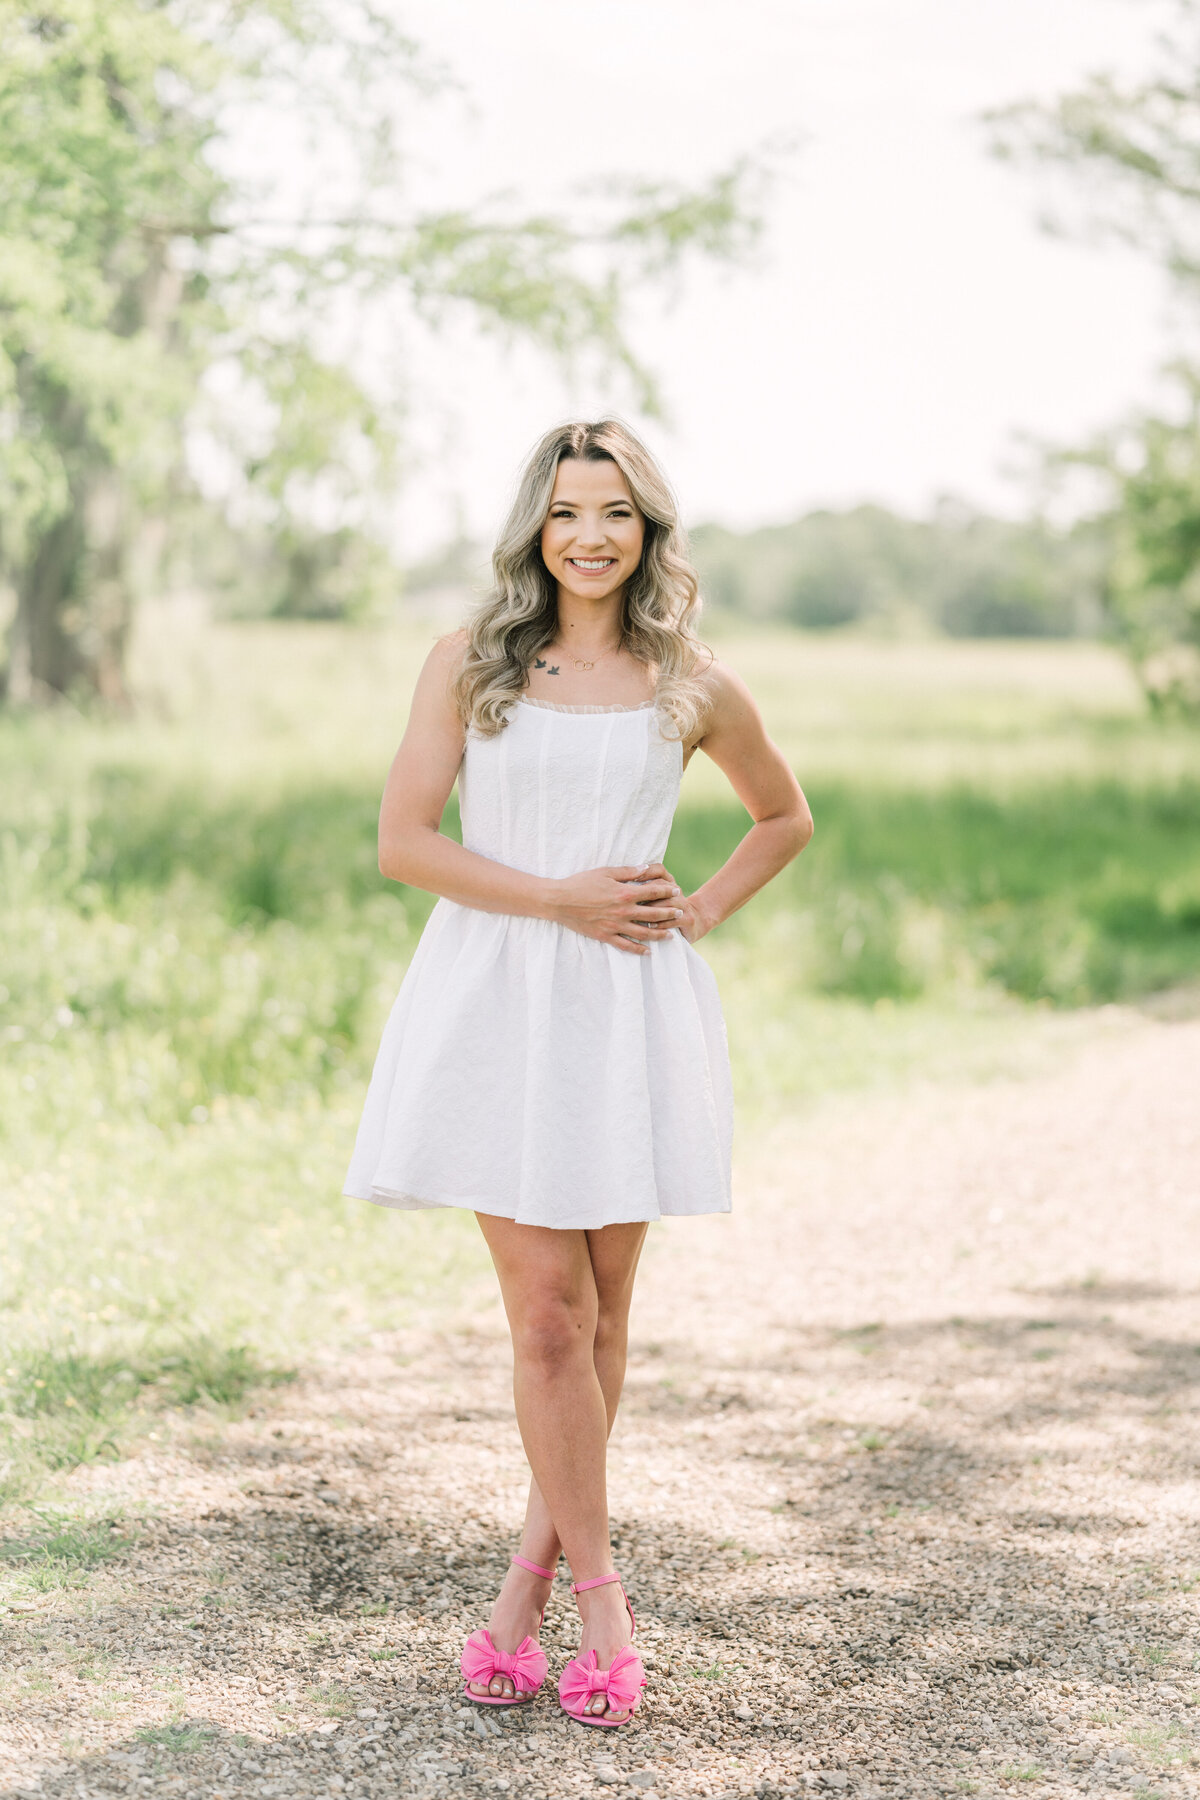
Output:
[[566, 788]]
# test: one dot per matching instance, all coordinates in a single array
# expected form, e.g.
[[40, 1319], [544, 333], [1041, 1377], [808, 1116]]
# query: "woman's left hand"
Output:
[[691, 925]]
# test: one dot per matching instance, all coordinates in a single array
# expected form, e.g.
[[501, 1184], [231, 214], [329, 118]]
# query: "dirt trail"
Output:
[[905, 1489]]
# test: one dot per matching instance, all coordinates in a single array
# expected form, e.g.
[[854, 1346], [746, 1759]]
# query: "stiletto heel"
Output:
[[621, 1684], [525, 1666]]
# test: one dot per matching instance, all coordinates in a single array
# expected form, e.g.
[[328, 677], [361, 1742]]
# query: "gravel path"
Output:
[[905, 1489]]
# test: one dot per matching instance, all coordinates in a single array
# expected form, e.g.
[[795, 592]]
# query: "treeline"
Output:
[[960, 572]]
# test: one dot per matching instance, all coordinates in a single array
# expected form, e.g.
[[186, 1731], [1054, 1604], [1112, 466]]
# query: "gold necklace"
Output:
[[578, 663]]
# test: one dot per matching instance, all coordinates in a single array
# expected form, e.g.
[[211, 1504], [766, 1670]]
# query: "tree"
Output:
[[1134, 152], [149, 295], [957, 571]]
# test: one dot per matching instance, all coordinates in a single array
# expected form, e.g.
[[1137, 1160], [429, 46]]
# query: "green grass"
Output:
[[332, 1701], [1164, 1745], [198, 954], [1076, 893], [58, 1549], [179, 1739]]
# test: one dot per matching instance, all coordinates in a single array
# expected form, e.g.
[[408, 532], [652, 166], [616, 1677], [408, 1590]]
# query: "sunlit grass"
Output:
[[60, 1549], [331, 1701], [179, 1739], [1164, 1745]]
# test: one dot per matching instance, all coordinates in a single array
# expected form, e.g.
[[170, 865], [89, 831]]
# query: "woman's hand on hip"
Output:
[[692, 924], [628, 907]]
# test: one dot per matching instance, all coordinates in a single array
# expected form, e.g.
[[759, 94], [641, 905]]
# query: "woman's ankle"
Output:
[[538, 1566], [603, 1613]]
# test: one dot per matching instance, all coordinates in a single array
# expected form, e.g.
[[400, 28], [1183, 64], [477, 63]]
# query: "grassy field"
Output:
[[198, 954]]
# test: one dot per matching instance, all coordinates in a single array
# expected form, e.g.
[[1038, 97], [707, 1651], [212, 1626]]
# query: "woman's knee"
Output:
[[553, 1330], [612, 1329]]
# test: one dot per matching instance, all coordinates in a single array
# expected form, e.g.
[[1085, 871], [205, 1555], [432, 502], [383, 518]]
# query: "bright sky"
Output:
[[905, 319]]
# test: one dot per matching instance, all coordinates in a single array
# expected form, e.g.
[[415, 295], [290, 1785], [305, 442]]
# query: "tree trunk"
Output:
[[75, 593], [71, 630]]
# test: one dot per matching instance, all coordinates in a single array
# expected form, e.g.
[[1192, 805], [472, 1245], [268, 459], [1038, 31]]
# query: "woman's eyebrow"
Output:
[[578, 503]]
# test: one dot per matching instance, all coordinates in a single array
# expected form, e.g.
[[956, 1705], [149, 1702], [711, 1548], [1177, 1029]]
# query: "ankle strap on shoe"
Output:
[[523, 1562], [581, 1587]]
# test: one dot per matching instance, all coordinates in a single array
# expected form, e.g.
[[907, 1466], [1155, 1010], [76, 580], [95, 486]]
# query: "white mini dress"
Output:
[[526, 1071]]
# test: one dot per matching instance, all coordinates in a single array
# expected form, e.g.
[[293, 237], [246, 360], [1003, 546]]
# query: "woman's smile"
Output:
[[594, 531]]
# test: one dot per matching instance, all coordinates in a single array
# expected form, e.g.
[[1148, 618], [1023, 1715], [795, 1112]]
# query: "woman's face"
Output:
[[593, 535]]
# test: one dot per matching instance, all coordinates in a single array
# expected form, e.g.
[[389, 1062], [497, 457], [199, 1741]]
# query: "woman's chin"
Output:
[[583, 587]]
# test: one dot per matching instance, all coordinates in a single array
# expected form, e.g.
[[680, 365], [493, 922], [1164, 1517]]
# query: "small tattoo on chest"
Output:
[[540, 663]]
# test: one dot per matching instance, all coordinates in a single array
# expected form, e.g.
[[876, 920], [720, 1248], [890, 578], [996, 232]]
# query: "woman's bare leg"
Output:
[[567, 1296], [614, 1253]]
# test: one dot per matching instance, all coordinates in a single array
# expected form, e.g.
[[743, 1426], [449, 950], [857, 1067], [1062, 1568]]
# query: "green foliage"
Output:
[[1164, 1745], [1151, 469], [959, 572], [333, 1701], [47, 1382], [1034, 891], [103, 167], [63, 1405], [74, 1540], [180, 1738], [149, 296], [61, 1551], [1133, 151]]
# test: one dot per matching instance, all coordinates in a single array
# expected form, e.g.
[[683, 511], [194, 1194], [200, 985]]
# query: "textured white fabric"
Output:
[[529, 1072]]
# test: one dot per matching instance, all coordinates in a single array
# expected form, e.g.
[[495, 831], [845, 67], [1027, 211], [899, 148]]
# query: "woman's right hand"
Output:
[[627, 907]]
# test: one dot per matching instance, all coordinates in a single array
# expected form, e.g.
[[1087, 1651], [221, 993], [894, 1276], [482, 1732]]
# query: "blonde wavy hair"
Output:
[[519, 616]]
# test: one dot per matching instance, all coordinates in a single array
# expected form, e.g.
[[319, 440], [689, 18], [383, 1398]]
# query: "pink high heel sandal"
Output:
[[621, 1684], [525, 1667]]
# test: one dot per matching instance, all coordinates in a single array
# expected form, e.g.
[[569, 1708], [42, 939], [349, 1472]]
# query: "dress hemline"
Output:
[[398, 1202]]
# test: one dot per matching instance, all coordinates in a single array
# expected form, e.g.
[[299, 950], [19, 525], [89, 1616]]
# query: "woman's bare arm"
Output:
[[760, 776], [626, 907]]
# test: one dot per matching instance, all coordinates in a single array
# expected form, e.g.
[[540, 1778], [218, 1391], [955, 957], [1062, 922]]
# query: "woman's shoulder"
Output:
[[447, 658], [724, 689], [434, 696], [450, 650], [729, 712]]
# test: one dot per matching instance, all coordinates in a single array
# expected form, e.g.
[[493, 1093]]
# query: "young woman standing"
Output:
[[556, 1059]]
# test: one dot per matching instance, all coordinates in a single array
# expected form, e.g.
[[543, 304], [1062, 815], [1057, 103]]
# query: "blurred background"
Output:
[[906, 299]]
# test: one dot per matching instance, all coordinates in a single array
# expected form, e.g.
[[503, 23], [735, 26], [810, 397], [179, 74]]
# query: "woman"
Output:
[[556, 1059]]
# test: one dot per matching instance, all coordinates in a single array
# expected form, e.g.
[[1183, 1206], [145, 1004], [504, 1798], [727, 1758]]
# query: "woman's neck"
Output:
[[590, 631]]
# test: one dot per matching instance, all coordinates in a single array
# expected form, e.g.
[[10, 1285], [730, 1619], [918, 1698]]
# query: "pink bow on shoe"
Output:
[[525, 1667], [621, 1685]]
